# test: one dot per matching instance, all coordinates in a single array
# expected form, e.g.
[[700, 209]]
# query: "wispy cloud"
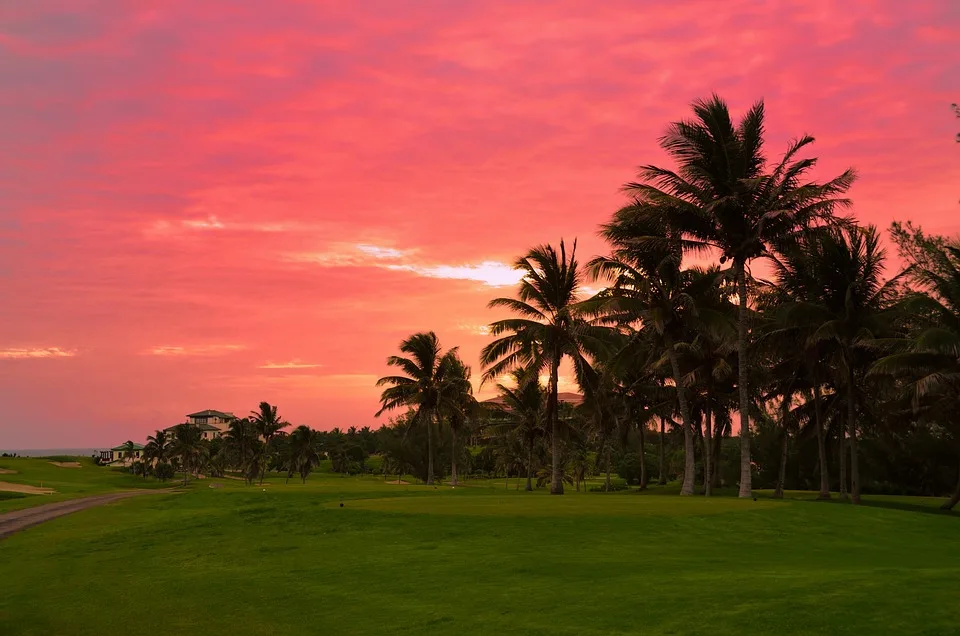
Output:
[[36, 353], [194, 350], [491, 273], [477, 330], [293, 364]]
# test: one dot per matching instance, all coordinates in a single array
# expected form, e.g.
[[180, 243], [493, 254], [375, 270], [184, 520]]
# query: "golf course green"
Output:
[[219, 557]]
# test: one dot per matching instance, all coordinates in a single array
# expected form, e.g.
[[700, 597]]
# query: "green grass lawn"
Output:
[[481, 559], [69, 483]]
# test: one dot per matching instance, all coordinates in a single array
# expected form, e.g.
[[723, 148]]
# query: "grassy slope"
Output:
[[69, 483], [479, 560]]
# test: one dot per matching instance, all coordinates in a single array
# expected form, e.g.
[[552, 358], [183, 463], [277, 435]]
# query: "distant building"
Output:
[[212, 424], [118, 454]]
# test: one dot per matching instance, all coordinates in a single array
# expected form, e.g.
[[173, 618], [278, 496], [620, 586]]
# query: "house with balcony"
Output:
[[212, 424], [119, 454]]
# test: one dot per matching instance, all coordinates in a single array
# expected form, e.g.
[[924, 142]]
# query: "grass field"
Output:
[[68, 483], [481, 560]]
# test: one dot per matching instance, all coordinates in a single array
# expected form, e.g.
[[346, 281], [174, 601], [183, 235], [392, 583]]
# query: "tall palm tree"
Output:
[[129, 452], [929, 360], [188, 447], [548, 329], [245, 447], [266, 422], [650, 289], [157, 448], [722, 196], [302, 451], [522, 413], [857, 306], [428, 372], [459, 406]]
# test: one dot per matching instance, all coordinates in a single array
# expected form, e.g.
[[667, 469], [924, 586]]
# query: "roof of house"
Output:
[[212, 413], [202, 427], [123, 447]]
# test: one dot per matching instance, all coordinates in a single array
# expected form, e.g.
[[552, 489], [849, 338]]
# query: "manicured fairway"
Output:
[[478, 560], [67, 482]]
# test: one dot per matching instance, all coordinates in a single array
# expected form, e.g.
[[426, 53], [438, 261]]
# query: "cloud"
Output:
[[194, 350], [36, 353], [488, 272], [477, 330], [293, 364]]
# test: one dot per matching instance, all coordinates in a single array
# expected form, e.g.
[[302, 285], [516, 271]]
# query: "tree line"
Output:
[[736, 291]]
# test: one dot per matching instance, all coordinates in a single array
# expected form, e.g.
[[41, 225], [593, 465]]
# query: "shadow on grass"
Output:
[[908, 507]]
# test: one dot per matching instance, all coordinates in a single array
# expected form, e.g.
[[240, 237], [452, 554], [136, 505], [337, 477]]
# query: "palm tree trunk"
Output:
[[643, 458], [689, 460], [785, 436], [529, 487], [715, 460], [430, 421], [955, 499], [607, 462], [556, 477], [707, 448], [852, 422], [821, 444], [453, 457], [843, 459], [746, 477], [662, 479]]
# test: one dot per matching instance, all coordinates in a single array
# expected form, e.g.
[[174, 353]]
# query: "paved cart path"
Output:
[[17, 520]]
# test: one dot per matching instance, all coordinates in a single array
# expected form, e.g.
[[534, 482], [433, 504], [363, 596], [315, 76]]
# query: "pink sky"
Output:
[[209, 204]]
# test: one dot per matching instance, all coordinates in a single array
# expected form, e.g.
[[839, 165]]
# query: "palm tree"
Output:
[[425, 385], [722, 197], [302, 452], [245, 446], [650, 289], [459, 406], [929, 360], [129, 452], [188, 447], [521, 413], [857, 307], [549, 329], [266, 422], [157, 448]]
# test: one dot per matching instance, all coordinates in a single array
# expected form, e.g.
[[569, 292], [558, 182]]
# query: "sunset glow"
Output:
[[210, 204]]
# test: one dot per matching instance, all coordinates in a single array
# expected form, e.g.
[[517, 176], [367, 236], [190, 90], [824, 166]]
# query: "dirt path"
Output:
[[17, 520]]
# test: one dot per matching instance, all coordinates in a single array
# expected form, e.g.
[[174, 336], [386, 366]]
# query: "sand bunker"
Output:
[[7, 471], [23, 488], [66, 464], [399, 482]]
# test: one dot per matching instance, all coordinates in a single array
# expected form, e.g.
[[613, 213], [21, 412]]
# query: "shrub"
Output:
[[163, 471], [615, 486]]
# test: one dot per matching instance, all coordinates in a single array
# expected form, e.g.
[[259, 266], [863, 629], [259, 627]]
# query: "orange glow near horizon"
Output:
[[207, 205]]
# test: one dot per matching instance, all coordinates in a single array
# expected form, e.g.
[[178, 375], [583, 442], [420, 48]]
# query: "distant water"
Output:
[[47, 452]]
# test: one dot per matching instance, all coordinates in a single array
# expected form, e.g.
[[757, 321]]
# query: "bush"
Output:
[[615, 486], [163, 471]]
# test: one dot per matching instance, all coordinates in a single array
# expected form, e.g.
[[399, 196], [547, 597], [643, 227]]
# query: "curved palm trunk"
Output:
[[643, 458], [453, 457], [784, 440], [708, 449], [662, 479], [854, 455], [607, 462], [529, 487], [556, 477], [689, 460], [715, 461], [430, 421], [821, 444], [955, 499], [842, 450], [746, 477]]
